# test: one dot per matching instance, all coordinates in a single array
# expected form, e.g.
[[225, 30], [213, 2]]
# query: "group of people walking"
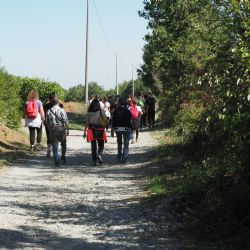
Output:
[[54, 117], [125, 116]]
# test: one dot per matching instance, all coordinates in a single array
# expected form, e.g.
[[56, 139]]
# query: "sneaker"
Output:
[[124, 160], [118, 157], [37, 147], [57, 163], [32, 148], [99, 159], [63, 160]]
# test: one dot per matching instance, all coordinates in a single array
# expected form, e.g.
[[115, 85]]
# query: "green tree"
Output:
[[43, 87]]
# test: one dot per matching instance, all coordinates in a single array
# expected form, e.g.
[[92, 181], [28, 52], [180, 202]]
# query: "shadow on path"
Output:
[[114, 218]]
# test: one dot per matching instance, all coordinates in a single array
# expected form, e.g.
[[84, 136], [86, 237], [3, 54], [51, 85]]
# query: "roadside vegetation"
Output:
[[13, 94], [197, 58]]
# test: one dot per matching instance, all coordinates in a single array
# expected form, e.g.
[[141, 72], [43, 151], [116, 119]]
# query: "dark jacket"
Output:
[[121, 117]]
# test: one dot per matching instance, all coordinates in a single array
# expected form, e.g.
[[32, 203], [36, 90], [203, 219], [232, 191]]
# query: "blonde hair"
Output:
[[33, 95]]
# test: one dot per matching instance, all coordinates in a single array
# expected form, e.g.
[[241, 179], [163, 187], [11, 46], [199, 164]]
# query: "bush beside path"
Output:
[[79, 206]]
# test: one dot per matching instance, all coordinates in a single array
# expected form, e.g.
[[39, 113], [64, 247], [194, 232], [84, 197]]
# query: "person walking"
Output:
[[46, 107], [34, 115], [107, 110], [121, 124], [96, 122], [151, 101], [136, 113], [57, 122]]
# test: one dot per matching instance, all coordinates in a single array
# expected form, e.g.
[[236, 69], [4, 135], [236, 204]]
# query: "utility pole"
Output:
[[86, 56], [116, 77], [133, 83]]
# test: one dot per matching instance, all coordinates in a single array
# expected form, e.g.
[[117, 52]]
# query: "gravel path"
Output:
[[79, 206]]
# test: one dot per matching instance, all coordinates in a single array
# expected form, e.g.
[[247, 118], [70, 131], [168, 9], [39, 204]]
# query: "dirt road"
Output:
[[79, 206]]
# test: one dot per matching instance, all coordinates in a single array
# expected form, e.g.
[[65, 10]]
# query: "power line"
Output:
[[102, 28]]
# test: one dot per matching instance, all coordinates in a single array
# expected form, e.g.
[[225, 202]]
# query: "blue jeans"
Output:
[[55, 151], [123, 140]]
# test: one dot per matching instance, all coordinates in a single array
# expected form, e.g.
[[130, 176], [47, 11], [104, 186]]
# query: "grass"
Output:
[[214, 207], [76, 115], [3, 163], [169, 157], [157, 185], [76, 120]]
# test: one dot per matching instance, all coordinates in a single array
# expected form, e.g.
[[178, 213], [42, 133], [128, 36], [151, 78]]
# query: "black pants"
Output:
[[94, 148], [47, 134], [151, 118], [33, 135]]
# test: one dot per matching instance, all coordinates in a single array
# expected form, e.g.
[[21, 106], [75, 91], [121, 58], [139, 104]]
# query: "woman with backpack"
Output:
[[34, 115], [96, 122], [136, 113]]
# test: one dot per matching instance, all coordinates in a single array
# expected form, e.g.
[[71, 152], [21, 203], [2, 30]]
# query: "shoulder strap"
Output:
[[56, 116]]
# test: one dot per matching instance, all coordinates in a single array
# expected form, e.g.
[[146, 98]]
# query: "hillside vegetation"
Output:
[[197, 58]]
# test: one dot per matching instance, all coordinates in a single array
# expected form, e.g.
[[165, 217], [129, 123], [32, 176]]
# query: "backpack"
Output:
[[31, 109], [134, 112]]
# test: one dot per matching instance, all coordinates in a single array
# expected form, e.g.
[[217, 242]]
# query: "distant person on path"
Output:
[[46, 107], [151, 110], [121, 124], [96, 122], [57, 122], [143, 114], [107, 110], [34, 115], [136, 113], [146, 106]]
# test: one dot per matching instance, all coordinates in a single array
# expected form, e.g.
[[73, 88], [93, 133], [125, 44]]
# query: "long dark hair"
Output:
[[94, 106]]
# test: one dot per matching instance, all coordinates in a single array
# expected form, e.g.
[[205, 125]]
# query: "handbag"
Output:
[[102, 120]]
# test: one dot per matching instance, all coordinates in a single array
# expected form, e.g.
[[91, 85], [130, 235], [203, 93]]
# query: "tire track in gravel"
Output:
[[79, 206]]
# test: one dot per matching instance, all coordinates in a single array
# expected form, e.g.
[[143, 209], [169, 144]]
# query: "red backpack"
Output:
[[134, 112], [32, 109]]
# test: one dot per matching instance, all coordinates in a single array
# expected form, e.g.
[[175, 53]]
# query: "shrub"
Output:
[[188, 120], [10, 104], [43, 87]]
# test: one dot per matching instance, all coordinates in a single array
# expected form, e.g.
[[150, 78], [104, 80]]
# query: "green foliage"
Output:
[[14, 92], [188, 120], [43, 87], [10, 103], [197, 57], [95, 89], [126, 88], [77, 93], [157, 185]]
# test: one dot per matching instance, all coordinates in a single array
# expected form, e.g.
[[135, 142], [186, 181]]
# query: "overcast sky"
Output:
[[46, 39]]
